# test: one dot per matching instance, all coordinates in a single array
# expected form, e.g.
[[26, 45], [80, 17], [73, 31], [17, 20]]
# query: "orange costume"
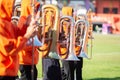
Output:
[[26, 54], [10, 42]]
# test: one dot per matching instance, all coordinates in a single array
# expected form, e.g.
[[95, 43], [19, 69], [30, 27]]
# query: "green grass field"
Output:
[[105, 62]]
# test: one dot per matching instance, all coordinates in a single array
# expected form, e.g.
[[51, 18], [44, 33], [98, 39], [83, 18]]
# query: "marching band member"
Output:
[[51, 66], [10, 41], [70, 66], [26, 55]]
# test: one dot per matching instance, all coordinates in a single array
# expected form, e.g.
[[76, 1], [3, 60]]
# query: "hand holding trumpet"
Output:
[[32, 28]]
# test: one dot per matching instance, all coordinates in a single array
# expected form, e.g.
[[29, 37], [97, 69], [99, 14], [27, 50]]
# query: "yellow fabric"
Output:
[[26, 7], [67, 11]]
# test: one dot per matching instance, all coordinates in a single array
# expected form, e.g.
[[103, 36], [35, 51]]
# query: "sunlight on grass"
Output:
[[39, 67], [105, 62], [102, 66], [106, 58]]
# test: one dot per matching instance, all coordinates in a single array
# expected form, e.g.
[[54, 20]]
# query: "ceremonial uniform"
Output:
[[26, 55], [10, 42]]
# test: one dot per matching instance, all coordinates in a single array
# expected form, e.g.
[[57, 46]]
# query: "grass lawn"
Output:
[[105, 62]]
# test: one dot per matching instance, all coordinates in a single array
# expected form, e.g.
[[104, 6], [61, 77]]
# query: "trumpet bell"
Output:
[[72, 57], [36, 41], [83, 54], [53, 55]]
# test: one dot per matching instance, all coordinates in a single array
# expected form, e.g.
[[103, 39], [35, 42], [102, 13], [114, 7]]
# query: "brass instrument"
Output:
[[15, 19], [90, 35], [66, 34], [83, 32], [47, 33], [16, 13], [66, 39], [81, 38], [17, 9]]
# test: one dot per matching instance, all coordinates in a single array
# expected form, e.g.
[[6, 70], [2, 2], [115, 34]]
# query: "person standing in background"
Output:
[[51, 66], [28, 57], [69, 67]]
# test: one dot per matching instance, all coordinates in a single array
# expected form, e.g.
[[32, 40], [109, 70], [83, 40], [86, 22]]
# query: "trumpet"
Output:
[[66, 39], [47, 33]]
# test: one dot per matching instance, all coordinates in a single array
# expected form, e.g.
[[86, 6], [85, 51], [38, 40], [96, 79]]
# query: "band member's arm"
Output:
[[12, 46]]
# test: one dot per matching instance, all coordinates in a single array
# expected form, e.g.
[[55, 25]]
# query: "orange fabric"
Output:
[[10, 43], [22, 25], [64, 53], [6, 9], [25, 55], [67, 11], [77, 49], [26, 7]]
